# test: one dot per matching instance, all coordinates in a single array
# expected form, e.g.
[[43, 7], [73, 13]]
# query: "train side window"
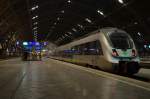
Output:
[[73, 49], [99, 48], [78, 50], [86, 48], [90, 48], [83, 49], [95, 48]]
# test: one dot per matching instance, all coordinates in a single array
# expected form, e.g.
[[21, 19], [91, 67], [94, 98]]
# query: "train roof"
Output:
[[102, 30], [89, 37], [80, 41]]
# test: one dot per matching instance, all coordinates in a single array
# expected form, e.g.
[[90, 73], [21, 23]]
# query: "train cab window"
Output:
[[120, 41]]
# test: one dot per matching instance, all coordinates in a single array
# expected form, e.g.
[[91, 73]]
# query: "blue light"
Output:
[[45, 43], [145, 46], [37, 43], [149, 46], [25, 43], [92, 49], [30, 43], [38, 48], [17, 43]]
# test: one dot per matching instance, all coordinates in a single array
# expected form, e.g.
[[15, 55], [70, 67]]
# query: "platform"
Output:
[[52, 79], [145, 64]]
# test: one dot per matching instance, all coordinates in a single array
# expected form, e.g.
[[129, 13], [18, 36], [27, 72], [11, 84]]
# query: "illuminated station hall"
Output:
[[74, 49]]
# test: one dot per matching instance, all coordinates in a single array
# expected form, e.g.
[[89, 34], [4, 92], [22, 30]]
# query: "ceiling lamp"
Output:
[[34, 17], [35, 23], [88, 20], [69, 1], [100, 12], [121, 1], [62, 11], [81, 26], [34, 8], [74, 29], [69, 32], [58, 18], [35, 28]]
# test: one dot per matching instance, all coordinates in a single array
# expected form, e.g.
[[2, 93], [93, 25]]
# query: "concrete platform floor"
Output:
[[144, 73], [51, 79]]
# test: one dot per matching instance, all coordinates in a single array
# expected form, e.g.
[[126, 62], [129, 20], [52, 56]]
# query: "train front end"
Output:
[[124, 55]]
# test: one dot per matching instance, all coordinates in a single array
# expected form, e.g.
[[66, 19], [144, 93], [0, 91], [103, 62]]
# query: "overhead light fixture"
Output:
[[135, 23], [63, 37], [69, 33], [35, 28], [55, 23], [139, 33], [81, 26], [88, 20], [34, 8], [100, 12], [74, 29], [58, 18], [121, 1], [62, 11], [66, 35], [69, 1], [34, 17], [35, 23], [35, 31]]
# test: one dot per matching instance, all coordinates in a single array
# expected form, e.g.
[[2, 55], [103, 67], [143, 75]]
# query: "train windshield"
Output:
[[120, 41]]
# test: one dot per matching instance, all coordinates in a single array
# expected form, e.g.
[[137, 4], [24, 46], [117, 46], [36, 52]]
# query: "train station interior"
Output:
[[74, 49]]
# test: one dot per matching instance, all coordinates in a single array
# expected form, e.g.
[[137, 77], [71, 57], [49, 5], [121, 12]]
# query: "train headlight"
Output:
[[133, 52], [114, 53]]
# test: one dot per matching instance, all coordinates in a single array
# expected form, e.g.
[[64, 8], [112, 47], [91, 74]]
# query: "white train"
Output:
[[110, 49]]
